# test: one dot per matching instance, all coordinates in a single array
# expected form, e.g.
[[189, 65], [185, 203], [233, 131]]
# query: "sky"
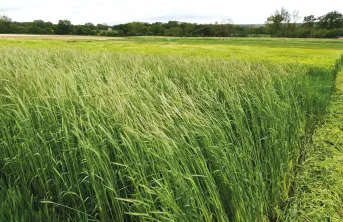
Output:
[[123, 11]]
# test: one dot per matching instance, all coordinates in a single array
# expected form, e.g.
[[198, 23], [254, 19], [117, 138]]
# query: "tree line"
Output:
[[281, 23], [285, 24]]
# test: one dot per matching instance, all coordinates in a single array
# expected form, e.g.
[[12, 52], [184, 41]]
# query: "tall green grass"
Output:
[[118, 137]]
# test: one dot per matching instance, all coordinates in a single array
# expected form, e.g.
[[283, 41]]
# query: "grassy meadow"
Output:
[[159, 129]]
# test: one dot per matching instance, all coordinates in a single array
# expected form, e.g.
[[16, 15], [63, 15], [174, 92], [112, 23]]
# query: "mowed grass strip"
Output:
[[319, 182], [118, 137]]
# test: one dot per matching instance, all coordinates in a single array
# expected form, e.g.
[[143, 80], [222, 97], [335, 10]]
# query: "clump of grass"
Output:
[[110, 136]]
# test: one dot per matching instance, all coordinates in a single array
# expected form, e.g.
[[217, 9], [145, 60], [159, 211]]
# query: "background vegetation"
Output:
[[282, 23]]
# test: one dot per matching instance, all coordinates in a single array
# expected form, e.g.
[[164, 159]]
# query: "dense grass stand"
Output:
[[138, 137]]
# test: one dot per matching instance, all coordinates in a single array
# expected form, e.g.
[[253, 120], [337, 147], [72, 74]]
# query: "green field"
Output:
[[162, 129], [286, 51]]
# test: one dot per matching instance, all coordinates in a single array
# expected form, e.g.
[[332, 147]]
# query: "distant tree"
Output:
[[227, 26], [278, 22], [157, 28], [90, 25], [5, 18], [78, 30], [45, 26], [274, 23], [64, 27], [205, 30], [103, 26], [171, 24], [137, 28], [122, 29], [309, 21], [249, 30], [308, 27], [35, 29], [286, 21], [121, 33], [291, 29], [6, 24], [262, 30], [332, 20], [39, 23], [88, 31], [174, 31], [217, 30], [189, 29]]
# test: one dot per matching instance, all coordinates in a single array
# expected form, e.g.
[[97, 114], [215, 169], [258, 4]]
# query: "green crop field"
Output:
[[165, 129]]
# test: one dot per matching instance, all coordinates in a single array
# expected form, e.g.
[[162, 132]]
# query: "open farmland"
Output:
[[158, 129]]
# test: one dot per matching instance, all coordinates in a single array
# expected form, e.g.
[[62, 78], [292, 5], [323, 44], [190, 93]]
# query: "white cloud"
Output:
[[121, 11]]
